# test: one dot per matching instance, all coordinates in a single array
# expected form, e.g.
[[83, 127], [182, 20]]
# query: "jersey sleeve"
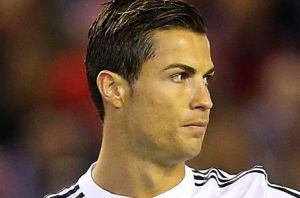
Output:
[[73, 191], [273, 190], [247, 184]]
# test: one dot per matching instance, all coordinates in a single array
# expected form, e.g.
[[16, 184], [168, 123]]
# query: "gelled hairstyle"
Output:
[[120, 38]]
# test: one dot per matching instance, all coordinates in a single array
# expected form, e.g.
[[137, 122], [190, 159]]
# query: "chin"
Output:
[[191, 146], [184, 155], [189, 154], [194, 151]]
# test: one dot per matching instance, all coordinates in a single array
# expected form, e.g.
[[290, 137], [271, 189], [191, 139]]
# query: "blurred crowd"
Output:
[[49, 128]]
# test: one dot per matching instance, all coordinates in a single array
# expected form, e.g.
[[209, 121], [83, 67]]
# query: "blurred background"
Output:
[[49, 129]]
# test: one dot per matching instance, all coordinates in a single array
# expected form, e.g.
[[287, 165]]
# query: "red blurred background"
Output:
[[50, 131]]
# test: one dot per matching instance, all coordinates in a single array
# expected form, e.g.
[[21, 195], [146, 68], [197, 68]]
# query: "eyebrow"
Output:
[[187, 68], [211, 71]]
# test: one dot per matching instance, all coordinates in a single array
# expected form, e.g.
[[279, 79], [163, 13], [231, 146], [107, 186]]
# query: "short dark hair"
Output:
[[120, 38]]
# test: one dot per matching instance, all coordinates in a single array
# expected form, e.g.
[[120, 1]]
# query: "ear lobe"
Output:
[[111, 88]]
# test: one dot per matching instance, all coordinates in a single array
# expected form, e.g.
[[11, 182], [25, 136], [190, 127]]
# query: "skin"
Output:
[[151, 129]]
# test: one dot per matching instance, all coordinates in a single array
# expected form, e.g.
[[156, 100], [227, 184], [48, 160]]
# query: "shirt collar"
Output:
[[92, 190]]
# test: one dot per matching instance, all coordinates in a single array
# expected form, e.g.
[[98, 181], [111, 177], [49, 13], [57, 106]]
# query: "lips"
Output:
[[196, 128], [197, 124]]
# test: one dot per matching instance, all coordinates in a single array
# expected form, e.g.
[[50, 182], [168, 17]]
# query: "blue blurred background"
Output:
[[49, 130]]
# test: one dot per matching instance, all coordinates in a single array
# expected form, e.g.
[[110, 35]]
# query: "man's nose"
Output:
[[201, 99]]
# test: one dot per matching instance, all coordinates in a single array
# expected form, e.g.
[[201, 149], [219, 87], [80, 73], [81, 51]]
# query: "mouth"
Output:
[[198, 124], [196, 128]]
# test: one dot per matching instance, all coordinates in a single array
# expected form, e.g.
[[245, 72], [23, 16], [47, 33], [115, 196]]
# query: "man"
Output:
[[148, 67]]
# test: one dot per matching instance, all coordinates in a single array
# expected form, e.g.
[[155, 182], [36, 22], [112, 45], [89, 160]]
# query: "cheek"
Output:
[[161, 109], [157, 112]]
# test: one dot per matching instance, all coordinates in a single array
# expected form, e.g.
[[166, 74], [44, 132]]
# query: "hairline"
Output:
[[151, 35]]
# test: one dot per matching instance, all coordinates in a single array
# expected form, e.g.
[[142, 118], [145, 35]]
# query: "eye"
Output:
[[207, 79], [180, 77]]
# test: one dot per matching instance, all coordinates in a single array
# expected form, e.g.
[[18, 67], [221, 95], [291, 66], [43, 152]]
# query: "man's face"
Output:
[[167, 114]]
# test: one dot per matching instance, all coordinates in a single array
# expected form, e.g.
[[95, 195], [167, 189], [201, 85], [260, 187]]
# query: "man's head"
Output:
[[149, 63], [120, 40]]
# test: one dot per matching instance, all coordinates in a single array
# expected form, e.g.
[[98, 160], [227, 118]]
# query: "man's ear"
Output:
[[112, 88]]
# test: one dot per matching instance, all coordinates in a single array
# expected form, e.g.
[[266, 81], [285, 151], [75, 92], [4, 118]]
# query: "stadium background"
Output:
[[50, 132]]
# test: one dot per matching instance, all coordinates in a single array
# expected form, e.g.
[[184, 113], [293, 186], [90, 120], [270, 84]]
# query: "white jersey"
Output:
[[210, 183]]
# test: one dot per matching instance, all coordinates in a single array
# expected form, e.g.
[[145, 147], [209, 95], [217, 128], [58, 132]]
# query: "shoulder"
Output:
[[72, 191], [253, 181], [224, 179], [77, 190]]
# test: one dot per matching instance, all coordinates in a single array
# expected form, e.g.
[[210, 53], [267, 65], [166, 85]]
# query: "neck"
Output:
[[121, 172]]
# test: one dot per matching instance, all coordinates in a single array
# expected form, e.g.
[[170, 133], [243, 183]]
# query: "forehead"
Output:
[[181, 46]]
